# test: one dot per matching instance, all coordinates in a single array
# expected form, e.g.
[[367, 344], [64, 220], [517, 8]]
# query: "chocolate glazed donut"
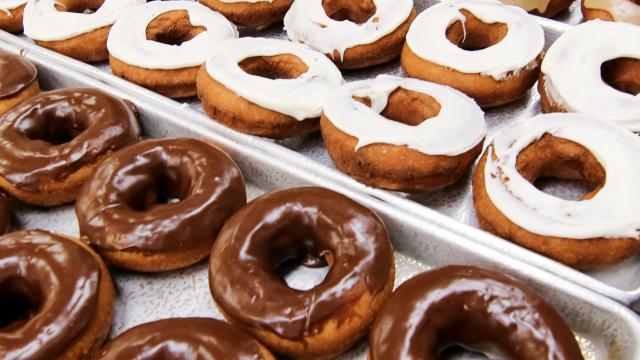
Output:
[[56, 297], [5, 214], [318, 227], [18, 80], [50, 143], [473, 307], [184, 338], [158, 205]]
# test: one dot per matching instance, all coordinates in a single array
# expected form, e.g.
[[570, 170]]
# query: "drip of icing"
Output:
[[128, 38], [458, 127], [301, 98], [307, 22], [519, 48], [612, 212], [621, 10], [530, 5], [571, 68], [8, 5], [42, 21]]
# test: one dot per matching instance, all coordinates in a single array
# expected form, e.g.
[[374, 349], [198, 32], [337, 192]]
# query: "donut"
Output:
[[252, 14], [75, 28], [56, 297], [487, 50], [476, 308], [50, 143], [5, 215], [354, 34], [321, 228], [158, 205], [402, 134], [266, 87], [160, 45], [594, 68], [11, 15], [546, 8], [18, 80], [627, 11], [600, 230], [184, 338]]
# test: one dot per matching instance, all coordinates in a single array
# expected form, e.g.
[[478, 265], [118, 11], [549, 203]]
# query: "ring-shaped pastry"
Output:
[[18, 80], [627, 11], [252, 14], [546, 8], [11, 15]]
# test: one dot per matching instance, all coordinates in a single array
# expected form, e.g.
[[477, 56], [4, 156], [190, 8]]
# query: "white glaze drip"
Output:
[[519, 48], [612, 212], [128, 38], [571, 69], [307, 22], [8, 5], [457, 128], [42, 21], [301, 98], [530, 5]]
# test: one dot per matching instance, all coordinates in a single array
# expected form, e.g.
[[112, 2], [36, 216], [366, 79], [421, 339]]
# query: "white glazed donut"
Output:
[[128, 37], [616, 10], [546, 8], [453, 134], [272, 107], [307, 22], [11, 15], [571, 72], [7, 5], [515, 58]]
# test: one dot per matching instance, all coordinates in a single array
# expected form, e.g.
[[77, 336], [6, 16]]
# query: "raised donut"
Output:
[[473, 307], [11, 15], [323, 228], [5, 215], [50, 143], [18, 80], [267, 87], [600, 230], [56, 297], [612, 10], [594, 68], [184, 338], [253, 14], [76, 28], [546, 8], [158, 205], [487, 50], [160, 45], [402, 134], [355, 34]]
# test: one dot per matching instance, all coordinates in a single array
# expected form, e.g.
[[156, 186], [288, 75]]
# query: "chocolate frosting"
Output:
[[160, 195], [313, 223], [5, 214], [48, 294], [56, 133], [16, 74], [476, 308], [182, 339]]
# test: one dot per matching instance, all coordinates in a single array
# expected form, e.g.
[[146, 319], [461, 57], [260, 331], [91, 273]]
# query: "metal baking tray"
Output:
[[450, 208]]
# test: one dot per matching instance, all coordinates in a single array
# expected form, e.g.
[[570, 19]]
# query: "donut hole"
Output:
[[19, 302], [561, 168], [78, 6], [622, 74], [173, 28], [407, 107], [162, 185], [283, 66], [53, 127], [357, 11], [475, 34]]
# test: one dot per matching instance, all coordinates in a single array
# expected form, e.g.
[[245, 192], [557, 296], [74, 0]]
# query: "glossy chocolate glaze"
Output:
[[48, 294], [182, 339], [56, 133], [16, 74], [303, 223], [477, 308], [5, 214], [160, 195]]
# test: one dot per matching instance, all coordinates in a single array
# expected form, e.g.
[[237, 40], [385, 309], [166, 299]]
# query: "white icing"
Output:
[[520, 47], [571, 68], [42, 21], [244, 1], [612, 212], [457, 128], [301, 98], [307, 22], [530, 5], [620, 10], [128, 38], [7, 5]]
